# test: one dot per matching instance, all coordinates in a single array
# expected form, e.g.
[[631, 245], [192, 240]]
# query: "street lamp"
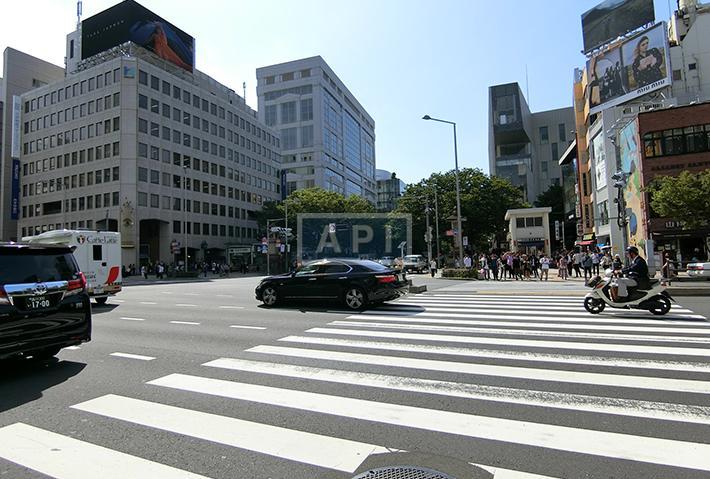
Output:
[[459, 235]]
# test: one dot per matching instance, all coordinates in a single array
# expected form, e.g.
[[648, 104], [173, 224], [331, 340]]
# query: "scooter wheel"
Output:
[[660, 306], [594, 305]]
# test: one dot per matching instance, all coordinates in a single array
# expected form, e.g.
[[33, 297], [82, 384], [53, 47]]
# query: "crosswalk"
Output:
[[618, 393]]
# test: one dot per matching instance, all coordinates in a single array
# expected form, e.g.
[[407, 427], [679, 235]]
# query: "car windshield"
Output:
[[30, 265]]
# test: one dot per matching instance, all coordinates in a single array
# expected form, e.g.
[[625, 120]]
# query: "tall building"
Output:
[[21, 73], [140, 142], [389, 189], [525, 147], [327, 137]]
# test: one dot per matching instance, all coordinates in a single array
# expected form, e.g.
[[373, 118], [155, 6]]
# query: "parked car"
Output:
[[356, 283], [698, 270], [415, 262], [44, 304]]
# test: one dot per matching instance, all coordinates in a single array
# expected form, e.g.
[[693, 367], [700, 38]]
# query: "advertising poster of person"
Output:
[[645, 58], [630, 163], [599, 158], [606, 78]]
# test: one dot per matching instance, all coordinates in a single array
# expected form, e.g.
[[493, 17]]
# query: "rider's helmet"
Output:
[[632, 249]]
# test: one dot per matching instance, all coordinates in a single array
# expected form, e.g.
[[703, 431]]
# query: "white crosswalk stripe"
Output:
[[557, 380]]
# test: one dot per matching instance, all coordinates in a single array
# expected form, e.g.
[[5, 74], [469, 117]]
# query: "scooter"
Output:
[[652, 297]]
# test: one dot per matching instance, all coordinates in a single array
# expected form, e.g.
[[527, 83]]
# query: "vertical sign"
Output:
[[284, 193], [15, 155]]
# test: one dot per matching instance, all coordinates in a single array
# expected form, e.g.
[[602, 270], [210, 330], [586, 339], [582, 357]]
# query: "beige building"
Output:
[[529, 230], [21, 73]]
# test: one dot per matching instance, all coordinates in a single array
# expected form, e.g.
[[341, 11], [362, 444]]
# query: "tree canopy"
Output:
[[684, 198], [484, 201], [553, 197]]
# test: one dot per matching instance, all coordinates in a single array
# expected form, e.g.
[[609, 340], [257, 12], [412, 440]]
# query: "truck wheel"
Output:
[[101, 300]]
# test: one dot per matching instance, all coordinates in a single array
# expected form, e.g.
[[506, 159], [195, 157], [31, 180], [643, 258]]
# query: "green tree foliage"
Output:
[[312, 200], [684, 198], [484, 201], [554, 197]]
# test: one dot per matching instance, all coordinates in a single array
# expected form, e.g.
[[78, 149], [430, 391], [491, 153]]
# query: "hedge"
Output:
[[459, 273]]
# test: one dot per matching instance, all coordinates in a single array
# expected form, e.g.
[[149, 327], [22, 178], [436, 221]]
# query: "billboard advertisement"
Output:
[[129, 21], [599, 160], [614, 18], [633, 194], [629, 70]]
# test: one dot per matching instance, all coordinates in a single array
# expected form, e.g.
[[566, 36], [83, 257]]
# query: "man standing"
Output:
[[467, 262], [432, 267], [577, 263], [544, 267], [636, 273]]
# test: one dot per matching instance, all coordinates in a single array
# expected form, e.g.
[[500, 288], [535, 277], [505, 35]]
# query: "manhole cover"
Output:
[[402, 472]]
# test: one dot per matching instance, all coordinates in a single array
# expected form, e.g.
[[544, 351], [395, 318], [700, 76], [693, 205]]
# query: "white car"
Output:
[[699, 270], [415, 262]]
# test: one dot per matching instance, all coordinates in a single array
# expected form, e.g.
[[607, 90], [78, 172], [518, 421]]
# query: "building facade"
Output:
[[525, 147], [389, 189], [21, 73], [327, 137], [529, 230], [129, 142]]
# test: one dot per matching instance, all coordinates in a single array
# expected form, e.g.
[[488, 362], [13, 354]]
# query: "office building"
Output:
[[389, 189], [21, 73], [525, 147], [133, 142], [327, 137]]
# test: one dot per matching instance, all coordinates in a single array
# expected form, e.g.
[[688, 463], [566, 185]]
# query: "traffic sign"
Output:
[[465, 240]]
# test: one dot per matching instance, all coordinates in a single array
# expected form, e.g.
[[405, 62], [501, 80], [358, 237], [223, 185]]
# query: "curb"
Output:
[[688, 291]]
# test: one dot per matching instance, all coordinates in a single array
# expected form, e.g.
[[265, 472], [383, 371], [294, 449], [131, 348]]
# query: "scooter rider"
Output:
[[636, 273]]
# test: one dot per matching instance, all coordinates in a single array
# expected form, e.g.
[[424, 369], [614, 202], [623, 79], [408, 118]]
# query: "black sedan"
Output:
[[356, 283]]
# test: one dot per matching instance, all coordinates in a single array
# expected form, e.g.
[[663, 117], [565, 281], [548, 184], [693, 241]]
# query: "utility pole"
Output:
[[286, 235], [436, 213], [184, 208], [427, 235]]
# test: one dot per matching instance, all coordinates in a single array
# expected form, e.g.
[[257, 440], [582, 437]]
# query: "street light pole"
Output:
[[184, 210], [427, 235], [459, 233], [436, 217]]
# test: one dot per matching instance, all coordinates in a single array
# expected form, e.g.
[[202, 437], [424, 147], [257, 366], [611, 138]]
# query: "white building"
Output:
[[327, 137], [132, 143], [529, 230]]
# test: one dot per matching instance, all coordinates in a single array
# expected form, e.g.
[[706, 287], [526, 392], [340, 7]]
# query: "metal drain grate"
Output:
[[402, 472]]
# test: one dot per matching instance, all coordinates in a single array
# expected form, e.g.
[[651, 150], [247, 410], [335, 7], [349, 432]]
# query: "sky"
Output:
[[401, 59]]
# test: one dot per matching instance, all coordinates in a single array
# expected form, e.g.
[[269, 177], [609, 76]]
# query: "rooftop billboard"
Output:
[[614, 18], [130, 21], [628, 70]]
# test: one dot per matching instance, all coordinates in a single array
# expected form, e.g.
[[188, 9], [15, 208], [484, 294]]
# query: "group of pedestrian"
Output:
[[585, 263]]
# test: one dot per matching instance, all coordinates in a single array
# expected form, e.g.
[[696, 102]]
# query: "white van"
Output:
[[98, 254]]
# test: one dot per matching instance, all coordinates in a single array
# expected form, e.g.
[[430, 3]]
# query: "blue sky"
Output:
[[401, 58]]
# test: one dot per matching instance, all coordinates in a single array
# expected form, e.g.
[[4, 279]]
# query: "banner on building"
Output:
[[614, 18], [633, 194], [630, 69]]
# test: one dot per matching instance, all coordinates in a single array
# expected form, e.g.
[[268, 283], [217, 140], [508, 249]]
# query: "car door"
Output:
[[334, 279], [303, 282]]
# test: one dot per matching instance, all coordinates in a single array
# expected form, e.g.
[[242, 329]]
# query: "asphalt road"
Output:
[[196, 379]]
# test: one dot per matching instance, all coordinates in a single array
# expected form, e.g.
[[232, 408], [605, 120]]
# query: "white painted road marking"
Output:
[[245, 327], [147, 302], [530, 332], [63, 457], [563, 438], [186, 305], [530, 343], [132, 356], [526, 356], [538, 374], [185, 322], [304, 447], [573, 402], [231, 307], [117, 300], [126, 318]]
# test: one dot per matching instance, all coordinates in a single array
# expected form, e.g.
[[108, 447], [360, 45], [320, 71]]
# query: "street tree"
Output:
[[683, 198], [484, 201]]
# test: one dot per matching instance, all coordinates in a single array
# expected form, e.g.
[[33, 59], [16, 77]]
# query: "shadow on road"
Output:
[[22, 381], [103, 308], [320, 306]]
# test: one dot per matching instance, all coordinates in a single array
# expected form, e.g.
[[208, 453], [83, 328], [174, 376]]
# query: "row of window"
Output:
[[91, 178], [270, 80], [155, 153], [102, 200], [72, 136], [74, 90], [528, 222], [288, 112], [71, 159], [187, 119], [678, 141], [561, 133], [74, 113], [176, 203], [213, 109]]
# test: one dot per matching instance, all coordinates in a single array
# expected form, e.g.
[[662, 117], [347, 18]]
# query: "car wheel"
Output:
[[101, 300], [269, 296], [355, 298]]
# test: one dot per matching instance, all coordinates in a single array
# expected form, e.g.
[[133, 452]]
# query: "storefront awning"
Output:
[[585, 243], [569, 154]]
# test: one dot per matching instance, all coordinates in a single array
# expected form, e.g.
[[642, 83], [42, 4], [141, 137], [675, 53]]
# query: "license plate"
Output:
[[37, 302], [98, 290]]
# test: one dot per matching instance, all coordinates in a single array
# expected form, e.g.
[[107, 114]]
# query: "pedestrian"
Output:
[[596, 260], [562, 266], [534, 265], [577, 263], [667, 270], [204, 269], [493, 266], [467, 262], [544, 267], [517, 268], [432, 267], [617, 264], [587, 266]]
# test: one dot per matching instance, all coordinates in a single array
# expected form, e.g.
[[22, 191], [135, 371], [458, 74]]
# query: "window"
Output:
[[555, 152], [692, 66], [143, 174], [562, 132], [142, 199], [307, 136], [544, 135], [288, 138], [270, 115], [97, 252], [288, 112], [155, 83], [287, 76], [677, 75], [307, 109]]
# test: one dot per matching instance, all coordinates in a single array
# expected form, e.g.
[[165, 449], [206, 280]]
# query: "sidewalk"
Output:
[[139, 280]]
